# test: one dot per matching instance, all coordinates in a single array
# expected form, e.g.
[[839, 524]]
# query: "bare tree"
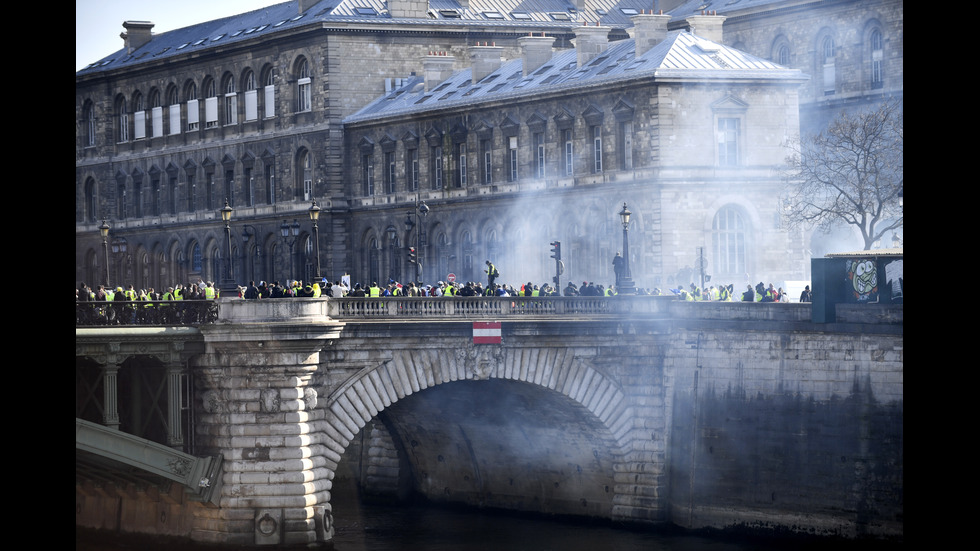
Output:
[[851, 173]]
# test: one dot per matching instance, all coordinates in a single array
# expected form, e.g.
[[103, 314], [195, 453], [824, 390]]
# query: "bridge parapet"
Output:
[[494, 307]]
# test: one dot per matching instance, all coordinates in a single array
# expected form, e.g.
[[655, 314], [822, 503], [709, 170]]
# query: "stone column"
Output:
[[175, 431], [258, 409], [110, 388]]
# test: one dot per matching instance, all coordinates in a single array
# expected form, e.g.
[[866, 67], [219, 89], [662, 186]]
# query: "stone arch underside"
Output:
[[374, 389]]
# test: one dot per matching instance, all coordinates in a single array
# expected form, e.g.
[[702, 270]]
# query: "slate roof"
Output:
[[560, 14], [681, 55]]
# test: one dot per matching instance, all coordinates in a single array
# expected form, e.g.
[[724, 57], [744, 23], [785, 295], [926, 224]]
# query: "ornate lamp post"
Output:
[[421, 209], [228, 287], [104, 231], [626, 282], [314, 216], [289, 233]]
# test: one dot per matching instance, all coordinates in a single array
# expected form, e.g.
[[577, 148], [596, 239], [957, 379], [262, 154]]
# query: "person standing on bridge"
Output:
[[492, 273]]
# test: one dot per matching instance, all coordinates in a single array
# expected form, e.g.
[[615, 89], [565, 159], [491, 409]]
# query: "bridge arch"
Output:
[[372, 390]]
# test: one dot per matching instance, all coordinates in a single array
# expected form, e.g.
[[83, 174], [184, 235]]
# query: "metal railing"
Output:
[[159, 313]]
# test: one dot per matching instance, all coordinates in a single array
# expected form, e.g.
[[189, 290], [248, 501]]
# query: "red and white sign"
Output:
[[486, 332], [451, 278]]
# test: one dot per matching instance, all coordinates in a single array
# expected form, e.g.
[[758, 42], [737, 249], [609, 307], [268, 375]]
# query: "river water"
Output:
[[379, 527]]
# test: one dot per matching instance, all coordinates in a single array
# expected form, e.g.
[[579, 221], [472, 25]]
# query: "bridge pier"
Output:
[[255, 384]]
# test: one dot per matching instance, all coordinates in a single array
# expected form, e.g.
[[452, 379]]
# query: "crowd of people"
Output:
[[340, 288]]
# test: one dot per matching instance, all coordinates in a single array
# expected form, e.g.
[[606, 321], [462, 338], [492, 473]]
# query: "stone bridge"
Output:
[[641, 410]]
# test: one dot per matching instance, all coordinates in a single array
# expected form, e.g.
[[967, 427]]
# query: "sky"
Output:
[[99, 22]]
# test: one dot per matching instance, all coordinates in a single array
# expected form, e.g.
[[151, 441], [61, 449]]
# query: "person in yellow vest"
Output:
[[374, 290], [209, 292], [316, 290]]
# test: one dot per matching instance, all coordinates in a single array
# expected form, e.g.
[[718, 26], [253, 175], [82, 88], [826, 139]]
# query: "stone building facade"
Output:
[[687, 134], [251, 108]]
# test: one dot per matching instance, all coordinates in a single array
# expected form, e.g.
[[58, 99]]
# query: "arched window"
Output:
[[304, 98], [197, 259], [139, 117], [251, 97], [156, 114], [88, 120], [210, 104], [193, 111], [728, 239], [230, 101], [122, 120], [877, 59], [270, 93], [827, 57], [173, 110]]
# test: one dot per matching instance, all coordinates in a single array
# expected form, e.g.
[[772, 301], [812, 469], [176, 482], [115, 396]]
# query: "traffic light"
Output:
[[411, 255], [556, 250]]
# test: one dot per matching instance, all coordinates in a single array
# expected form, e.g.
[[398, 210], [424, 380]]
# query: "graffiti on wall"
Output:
[[863, 275]]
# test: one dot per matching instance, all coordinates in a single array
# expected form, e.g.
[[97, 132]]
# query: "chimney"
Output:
[[484, 60], [408, 9], [437, 67], [590, 42], [648, 31], [137, 34], [306, 4], [708, 25], [579, 5], [535, 51]]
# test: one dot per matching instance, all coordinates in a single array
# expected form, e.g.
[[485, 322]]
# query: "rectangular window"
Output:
[[487, 147], [597, 149], [209, 198], [568, 160], [139, 120], [230, 187], [626, 145], [121, 203], [413, 159], [437, 167], [249, 188], [727, 142], [270, 184], [155, 197], [123, 127], [308, 185], [461, 169], [173, 195], [270, 101], [251, 105], [138, 199], [193, 115], [191, 194], [368, 167], [210, 112], [305, 102], [390, 171], [157, 116], [512, 158], [539, 156], [231, 109], [175, 119]]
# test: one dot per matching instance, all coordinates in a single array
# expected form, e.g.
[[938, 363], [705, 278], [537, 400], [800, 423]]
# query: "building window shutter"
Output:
[[175, 119], [140, 120], [270, 101], [157, 114], [251, 105]]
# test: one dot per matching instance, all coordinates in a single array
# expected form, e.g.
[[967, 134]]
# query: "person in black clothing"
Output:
[[806, 295], [748, 295], [251, 292]]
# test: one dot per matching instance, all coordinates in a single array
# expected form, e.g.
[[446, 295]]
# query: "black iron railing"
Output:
[[161, 313]]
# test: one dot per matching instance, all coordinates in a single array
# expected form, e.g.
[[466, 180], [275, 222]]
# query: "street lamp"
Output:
[[104, 231], [626, 285], [228, 287], [421, 209], [314, 215], [289, 233]]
